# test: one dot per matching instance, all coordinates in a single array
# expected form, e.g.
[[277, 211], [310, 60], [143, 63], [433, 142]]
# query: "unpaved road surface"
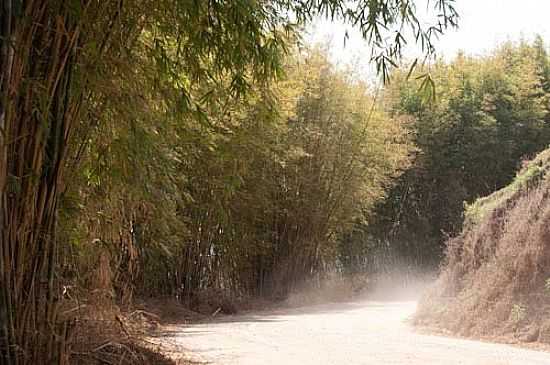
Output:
[[343, 333]]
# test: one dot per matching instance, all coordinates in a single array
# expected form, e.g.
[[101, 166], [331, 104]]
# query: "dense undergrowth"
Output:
[[495, 280]]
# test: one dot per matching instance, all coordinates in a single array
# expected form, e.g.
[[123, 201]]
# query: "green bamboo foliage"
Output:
[[148, 94], [491, 115], [58, 56], [251, 202]]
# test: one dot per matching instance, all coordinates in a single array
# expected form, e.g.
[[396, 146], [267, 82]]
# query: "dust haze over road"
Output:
[[367, 332]]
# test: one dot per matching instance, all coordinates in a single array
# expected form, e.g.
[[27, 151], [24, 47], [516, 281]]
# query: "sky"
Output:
[[483, 25]]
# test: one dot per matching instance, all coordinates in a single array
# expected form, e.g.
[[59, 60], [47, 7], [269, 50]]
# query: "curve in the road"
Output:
[[343, 333]]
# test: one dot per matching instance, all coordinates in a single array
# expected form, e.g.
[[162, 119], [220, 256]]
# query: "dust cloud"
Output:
[[395, 285]]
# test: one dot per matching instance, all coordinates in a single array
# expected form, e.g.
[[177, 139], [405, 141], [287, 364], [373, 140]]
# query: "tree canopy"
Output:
[[491, 116], [125, 121]]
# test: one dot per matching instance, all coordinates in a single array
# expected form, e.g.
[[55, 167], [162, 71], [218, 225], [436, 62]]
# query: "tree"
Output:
[[57, 58], [491, 114]]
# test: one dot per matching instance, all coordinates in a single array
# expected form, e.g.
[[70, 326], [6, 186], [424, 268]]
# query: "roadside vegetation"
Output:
[[151, 148], [489, 118], [495, 280], [196, 155]]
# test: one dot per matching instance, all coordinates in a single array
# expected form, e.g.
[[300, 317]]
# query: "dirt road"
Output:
[[343, 333]]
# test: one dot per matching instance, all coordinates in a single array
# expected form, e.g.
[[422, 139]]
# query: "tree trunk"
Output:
[[36, 113]]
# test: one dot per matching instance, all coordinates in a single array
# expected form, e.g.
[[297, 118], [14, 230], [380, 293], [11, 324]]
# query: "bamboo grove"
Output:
[[165, 147], [251, 203], [491, 116], [171, 148]]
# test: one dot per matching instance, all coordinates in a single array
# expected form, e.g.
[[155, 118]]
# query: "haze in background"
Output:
[[483, 25]]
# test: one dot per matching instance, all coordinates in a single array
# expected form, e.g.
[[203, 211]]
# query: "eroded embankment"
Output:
[[496, 278]]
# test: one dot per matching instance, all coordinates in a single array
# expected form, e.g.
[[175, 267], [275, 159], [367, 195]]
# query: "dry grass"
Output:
[[101, 333], [494, 281], [113, 339]]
